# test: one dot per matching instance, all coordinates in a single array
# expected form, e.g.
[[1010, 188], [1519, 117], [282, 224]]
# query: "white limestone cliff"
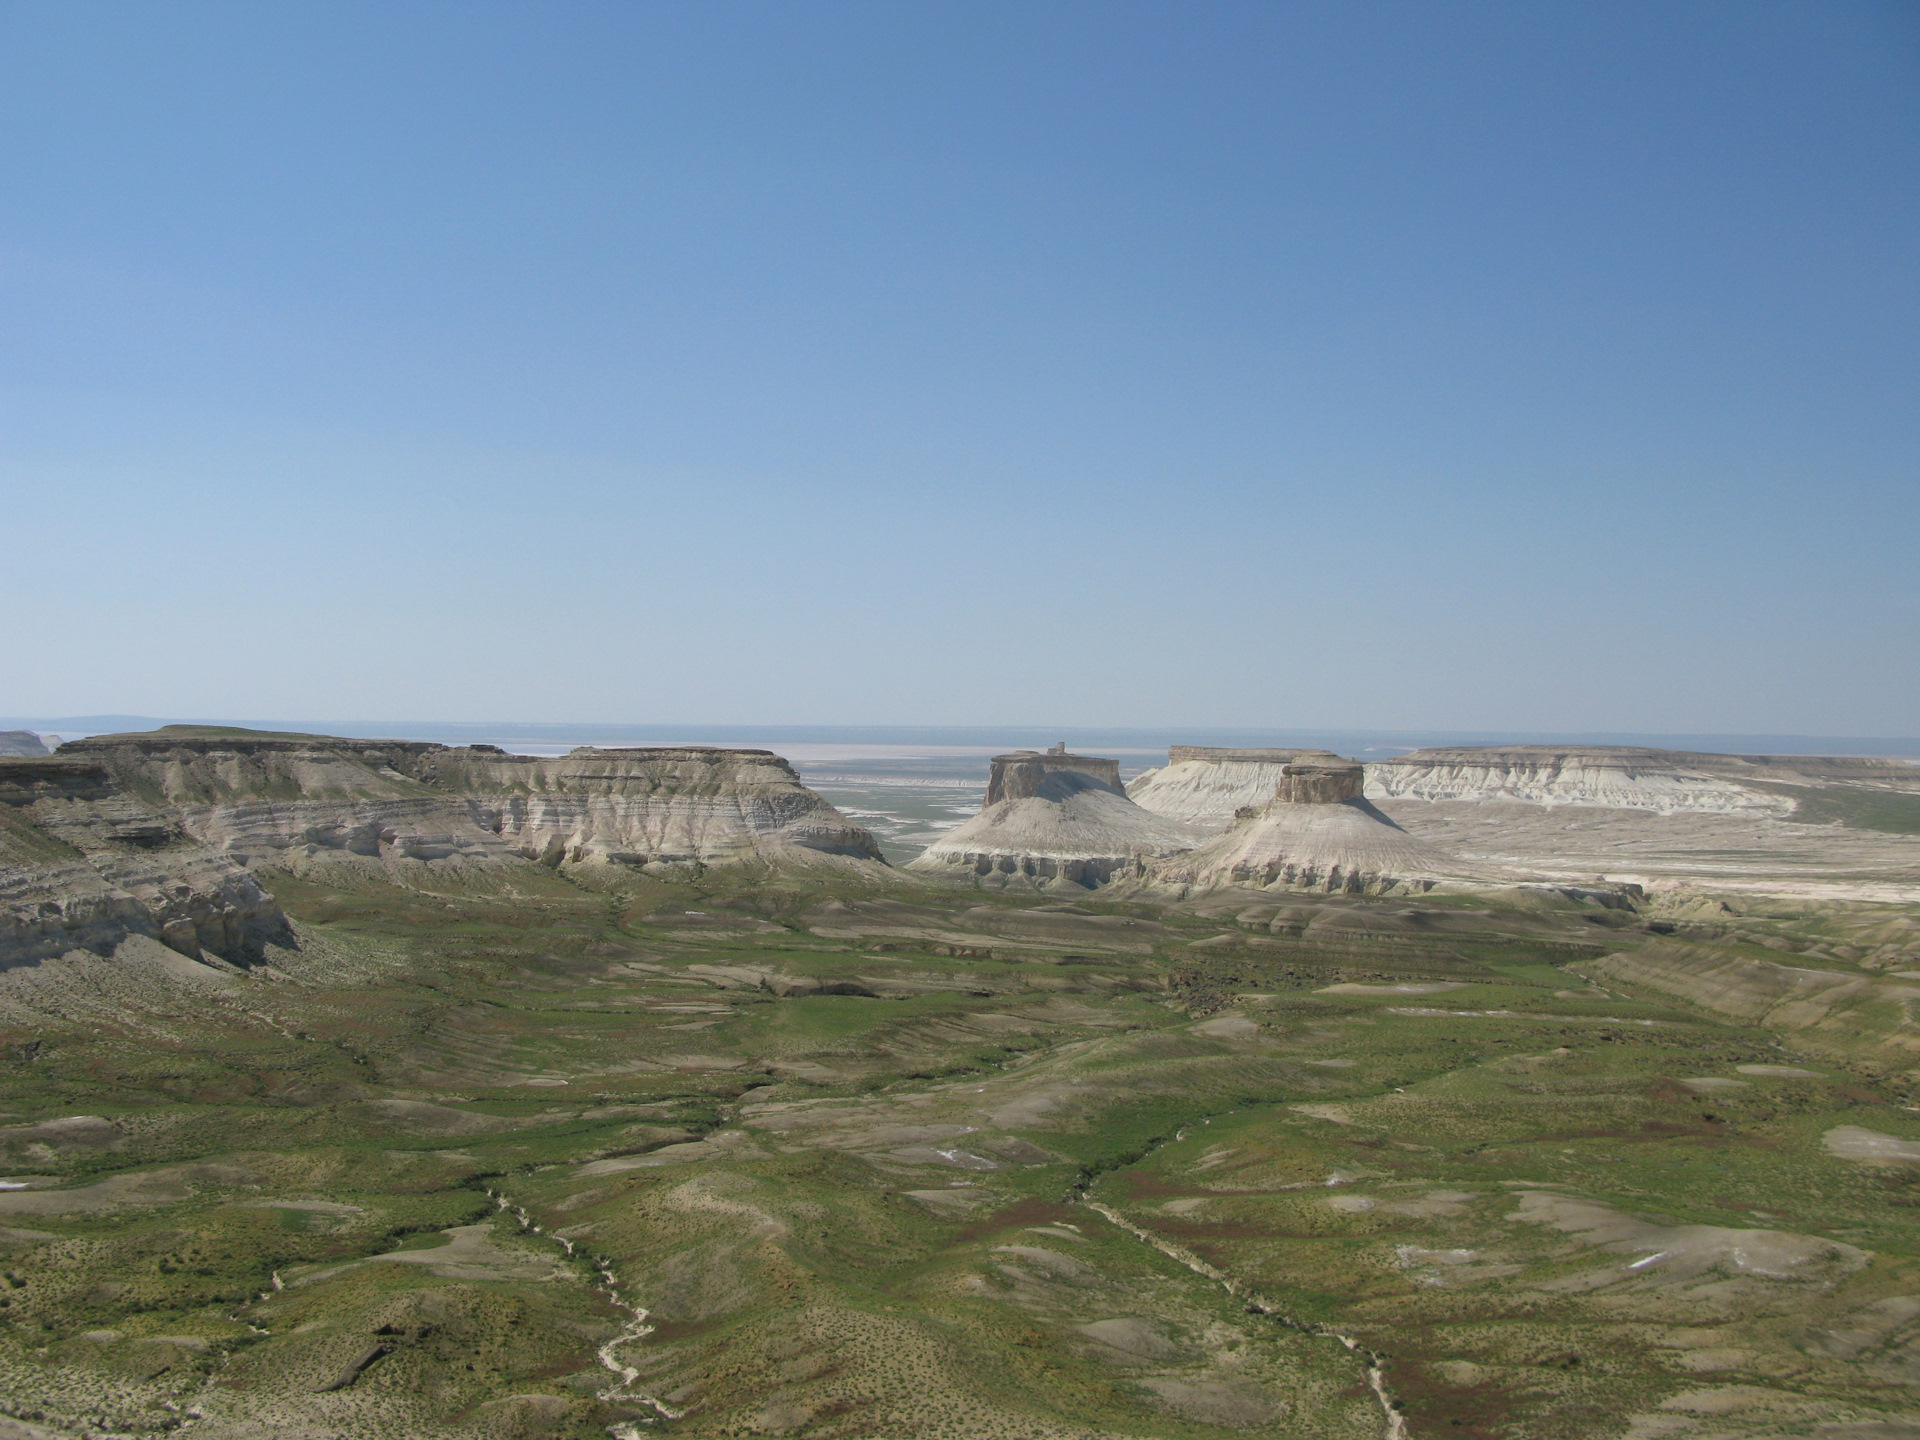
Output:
[[1625, 777], [1317, 832], [1055, 820], [158, 834], [1205, 785], [1618, 777], [651, 807], [289, 800]]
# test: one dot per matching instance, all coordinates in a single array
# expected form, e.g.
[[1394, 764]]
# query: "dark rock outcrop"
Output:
[[1320, 782]]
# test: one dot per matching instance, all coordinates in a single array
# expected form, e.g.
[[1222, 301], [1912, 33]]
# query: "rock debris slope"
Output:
[[1056, 819], [1206, 784], [157, 834], [1318, 832]]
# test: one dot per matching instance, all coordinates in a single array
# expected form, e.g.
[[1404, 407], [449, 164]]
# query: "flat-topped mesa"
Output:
[[1569, 772], [653, 806], [158, 833], [1626, 777], [1054, 821], [298, 800], [1209, 785], [1320, 782], [1316, 832], [1227, 754], [1021, 773], [181, 740]]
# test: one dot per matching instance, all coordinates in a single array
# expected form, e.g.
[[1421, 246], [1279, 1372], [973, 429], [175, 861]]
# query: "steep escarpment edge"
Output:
[[159, 833]]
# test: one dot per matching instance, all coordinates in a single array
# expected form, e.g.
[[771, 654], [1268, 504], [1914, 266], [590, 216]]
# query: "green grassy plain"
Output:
[[921, 1161]]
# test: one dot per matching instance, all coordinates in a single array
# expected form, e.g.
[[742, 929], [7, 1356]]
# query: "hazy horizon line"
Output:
[[987, 734]]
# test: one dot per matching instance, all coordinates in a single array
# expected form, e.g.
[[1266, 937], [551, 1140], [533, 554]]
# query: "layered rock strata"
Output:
[[1809, 826], [158, 833], [84, 864], [1055, 820], [1317, 832], [1204, 785], [1022, 773], [651, 806], [288, 798], [1625, 777]]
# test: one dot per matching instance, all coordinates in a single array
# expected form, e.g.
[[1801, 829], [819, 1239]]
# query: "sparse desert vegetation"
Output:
[[882, 1156]]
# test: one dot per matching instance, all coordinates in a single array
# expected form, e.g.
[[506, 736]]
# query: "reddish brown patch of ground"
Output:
[[1032, 1211]]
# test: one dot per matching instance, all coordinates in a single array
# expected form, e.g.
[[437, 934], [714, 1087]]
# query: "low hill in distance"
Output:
[[21, 742]]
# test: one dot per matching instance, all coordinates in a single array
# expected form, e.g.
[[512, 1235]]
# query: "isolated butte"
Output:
[[1206, 784], [1317, 832], [1055, 820]]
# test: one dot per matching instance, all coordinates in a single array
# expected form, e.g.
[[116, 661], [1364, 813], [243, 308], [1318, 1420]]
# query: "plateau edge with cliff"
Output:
[[356, 1088]]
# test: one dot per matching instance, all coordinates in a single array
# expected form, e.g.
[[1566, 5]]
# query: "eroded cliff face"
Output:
[[1204, 785], [1788, 824], [282, 799], [1022, 773], [1618, 777], [290, 800], [159, 834], [84, 864], [1331, 781], [1055, 820], [648, 807]]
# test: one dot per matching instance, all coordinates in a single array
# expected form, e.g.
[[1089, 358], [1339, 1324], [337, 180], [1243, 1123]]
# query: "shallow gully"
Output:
[[1396, 1423], [636, 1327]]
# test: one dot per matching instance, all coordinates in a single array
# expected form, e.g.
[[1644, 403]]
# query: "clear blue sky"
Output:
[[1547, 366]]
